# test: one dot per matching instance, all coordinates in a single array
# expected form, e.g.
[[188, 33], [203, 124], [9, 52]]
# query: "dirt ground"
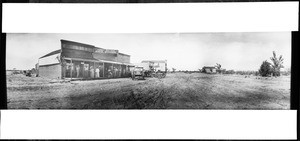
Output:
[[176, 91]]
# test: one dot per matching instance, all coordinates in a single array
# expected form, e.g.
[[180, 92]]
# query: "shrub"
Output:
[[265, 69], [229, 72], [246, 72], [16, 72], [286, 73]]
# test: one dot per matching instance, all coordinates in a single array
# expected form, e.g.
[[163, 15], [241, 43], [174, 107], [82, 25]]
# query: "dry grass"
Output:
[[176, 91]]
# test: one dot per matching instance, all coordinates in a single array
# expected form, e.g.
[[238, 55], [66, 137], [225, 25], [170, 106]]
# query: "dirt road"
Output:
[[176, 91]]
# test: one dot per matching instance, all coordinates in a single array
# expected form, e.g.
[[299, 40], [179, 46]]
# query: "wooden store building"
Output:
[[82, 61]]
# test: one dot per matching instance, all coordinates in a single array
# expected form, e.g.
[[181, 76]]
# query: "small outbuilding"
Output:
[[208, 69]]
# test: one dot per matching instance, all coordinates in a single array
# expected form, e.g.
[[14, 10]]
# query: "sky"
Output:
[[183, 51]]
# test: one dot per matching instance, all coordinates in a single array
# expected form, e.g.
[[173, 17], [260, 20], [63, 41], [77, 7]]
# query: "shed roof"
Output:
[[99, 60], [124, 54], [77, 43], [51, 53]]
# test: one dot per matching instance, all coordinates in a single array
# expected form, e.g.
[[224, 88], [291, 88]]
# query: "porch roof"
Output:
[[100, 61]]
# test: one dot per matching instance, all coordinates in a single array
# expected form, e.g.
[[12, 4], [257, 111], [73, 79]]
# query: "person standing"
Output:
[[86, 70], [101, 68], [68, 72], [77, 70], [92, 72], [72, 70], [109, 73], [97, 72], [115, 72]]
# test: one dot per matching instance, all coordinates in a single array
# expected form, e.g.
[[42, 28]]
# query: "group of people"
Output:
[[94, 73], [86, 71], [71, 70], [113, 72]]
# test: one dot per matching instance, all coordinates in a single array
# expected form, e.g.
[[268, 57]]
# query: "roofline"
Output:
[[99, 47], [51, 53], [88, 45], [162, 61], [124, 54], [72, 42]]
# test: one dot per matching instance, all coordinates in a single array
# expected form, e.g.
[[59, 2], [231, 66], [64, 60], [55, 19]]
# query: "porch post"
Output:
[[113, 72], [71, 68], [119, 70], [103, 69]]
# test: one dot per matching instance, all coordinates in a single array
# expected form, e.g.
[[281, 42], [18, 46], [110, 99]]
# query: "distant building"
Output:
[[207, 69], [78, 60], [160, 65]]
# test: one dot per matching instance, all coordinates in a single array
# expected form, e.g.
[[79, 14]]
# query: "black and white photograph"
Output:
[[238, 70], [149, 69]]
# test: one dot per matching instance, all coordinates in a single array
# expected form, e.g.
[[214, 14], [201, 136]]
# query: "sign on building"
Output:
[[77, 47], [111, 51], [100, 50]]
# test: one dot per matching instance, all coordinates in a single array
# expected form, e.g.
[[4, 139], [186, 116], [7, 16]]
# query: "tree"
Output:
[[277, 64], [173, 70], [218, 66], [265, 69]]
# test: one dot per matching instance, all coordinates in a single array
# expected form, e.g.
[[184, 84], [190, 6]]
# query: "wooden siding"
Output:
[[105, 56], [71, 53], [72, 49], [123, 58], [76, 45], [51, 71]]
